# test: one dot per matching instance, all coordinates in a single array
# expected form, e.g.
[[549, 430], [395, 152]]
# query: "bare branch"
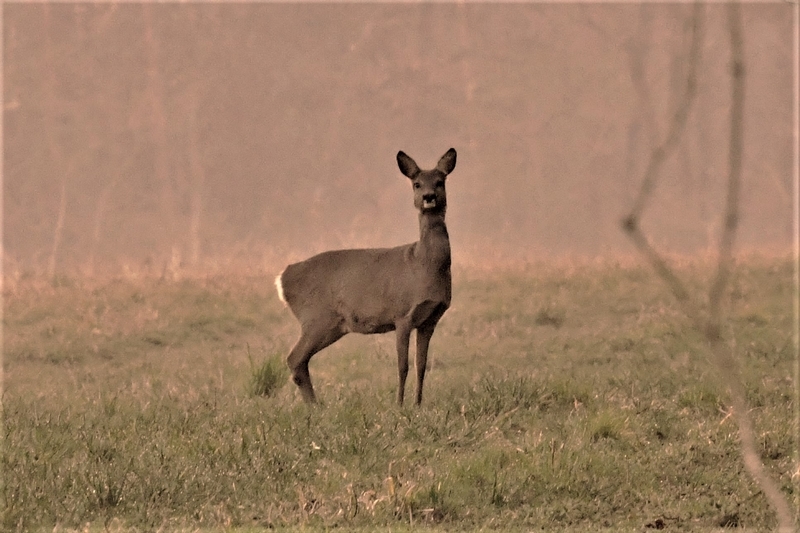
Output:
[[724, 358], [662, 268], [679, 119], [711, 326], [659, 154], [726, 364], [734, 164]]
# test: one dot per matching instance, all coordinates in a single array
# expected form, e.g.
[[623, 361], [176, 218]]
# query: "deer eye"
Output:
[[440, 184], [417, 185]]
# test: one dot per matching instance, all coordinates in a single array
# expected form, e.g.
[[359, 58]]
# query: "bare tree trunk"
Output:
[[56, 154], [97, 27], [159, 133], [198, 176]]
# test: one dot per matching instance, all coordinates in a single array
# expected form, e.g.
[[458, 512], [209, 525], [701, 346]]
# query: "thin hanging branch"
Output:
[[657, 157], [710, 324], [725, 258], [679, 119], [724, 358], [56, 152]]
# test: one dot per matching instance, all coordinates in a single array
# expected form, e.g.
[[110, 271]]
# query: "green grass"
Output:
[[268, 377], [557, 399]]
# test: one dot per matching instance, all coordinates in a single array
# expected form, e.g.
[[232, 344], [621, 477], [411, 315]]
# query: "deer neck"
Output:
[[434, 242]]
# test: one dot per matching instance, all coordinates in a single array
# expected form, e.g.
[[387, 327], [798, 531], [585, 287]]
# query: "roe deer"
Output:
[[379, 289]]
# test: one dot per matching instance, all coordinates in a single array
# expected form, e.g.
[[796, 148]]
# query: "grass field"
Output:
[[558, 398]]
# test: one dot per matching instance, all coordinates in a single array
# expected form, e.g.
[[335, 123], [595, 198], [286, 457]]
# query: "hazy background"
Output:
[[150, 138]]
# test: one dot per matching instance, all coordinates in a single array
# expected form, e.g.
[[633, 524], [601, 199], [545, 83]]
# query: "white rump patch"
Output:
[[279, 286]]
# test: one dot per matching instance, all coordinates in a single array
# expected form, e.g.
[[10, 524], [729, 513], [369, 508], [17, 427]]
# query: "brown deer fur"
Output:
[[378, 289]]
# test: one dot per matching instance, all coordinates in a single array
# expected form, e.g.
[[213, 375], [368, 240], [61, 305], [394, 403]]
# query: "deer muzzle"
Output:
[[429, 201]]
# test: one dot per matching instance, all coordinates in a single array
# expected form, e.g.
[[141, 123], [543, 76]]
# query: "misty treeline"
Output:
[[157, 137]]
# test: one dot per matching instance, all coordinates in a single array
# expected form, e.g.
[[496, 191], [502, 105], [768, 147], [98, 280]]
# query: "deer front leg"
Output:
[[403, 335], [424, 334]]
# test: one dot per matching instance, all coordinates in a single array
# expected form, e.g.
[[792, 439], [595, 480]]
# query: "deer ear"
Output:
[[448, 162], [407, 165]]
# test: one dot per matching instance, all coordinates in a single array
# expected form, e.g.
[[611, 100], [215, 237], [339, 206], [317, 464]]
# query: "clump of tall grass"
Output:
[[268, 377]]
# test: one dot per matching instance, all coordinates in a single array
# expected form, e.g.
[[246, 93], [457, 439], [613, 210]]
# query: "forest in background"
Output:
[[146, 137]]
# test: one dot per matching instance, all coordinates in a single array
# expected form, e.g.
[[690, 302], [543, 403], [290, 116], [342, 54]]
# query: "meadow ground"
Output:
[[558, 398]]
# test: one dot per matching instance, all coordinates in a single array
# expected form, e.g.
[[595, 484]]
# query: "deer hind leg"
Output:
[[312, 340]]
